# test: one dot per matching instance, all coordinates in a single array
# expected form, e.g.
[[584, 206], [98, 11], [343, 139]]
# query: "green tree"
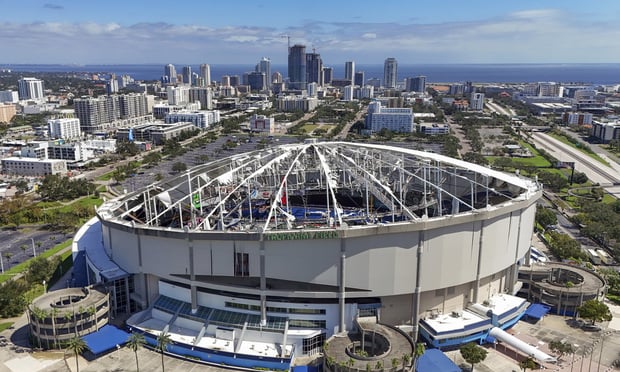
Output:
[[12, 298], [136, 341], [163, 340], [152, 158], [595, 311], [77, 346], [179, 167], [561, 348], [419, 350], [41, 268], [528, 363], [473, 354], [545, 216]]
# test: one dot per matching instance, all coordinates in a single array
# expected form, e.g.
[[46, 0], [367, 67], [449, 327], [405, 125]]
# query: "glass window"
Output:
[[242, 264]]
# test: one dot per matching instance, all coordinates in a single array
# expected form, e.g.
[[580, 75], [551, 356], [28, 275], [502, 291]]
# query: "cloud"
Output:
[[53, 6], [535, 35]]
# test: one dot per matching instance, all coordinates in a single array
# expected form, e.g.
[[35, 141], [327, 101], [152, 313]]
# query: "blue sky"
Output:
[[474, 31]]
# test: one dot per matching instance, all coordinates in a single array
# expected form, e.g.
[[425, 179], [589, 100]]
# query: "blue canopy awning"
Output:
[[434, 360], [107, 338], [537, 311]]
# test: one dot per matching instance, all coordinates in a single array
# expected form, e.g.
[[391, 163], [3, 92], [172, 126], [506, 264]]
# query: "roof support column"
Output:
[[341, 288], [415, 310], [479, 264], [263, 284]]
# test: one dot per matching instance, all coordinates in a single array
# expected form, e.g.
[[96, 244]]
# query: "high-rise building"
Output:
[[349, 71], [235, 81], [394, 119], [297, 66], [112, 85], [9, 96], [132, 105], [416, 84], [205, 74], [31, 88], [476, 101], [257, 81], [328, 75], [225, 81], [187, 75], [178, 95], [390, 73], [314, 68], [202, 95], [276, 78], [359, 79], [170, 74], [264, 66]]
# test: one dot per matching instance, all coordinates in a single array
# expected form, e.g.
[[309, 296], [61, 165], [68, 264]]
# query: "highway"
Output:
[[596, 171]]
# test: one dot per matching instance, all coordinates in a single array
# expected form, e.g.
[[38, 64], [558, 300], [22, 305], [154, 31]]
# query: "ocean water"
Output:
[[607, 74]]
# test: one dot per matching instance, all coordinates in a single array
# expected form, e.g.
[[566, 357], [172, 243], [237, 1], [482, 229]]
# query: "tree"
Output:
[[77, 346], [595, 311], [528, 362], [179, 167], [23, 247], [41, 268], [8, 256], [152, 158], [545, 217], [561, 348], [163, 340], [12, 298], [136, 341], [420, 349], [473, 354]]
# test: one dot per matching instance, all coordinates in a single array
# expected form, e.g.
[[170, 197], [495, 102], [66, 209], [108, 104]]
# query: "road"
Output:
[[498, 108], [597, 172], [345, 131]]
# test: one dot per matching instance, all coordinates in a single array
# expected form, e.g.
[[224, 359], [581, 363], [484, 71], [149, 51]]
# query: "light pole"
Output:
[[34, 251], [1, 263]]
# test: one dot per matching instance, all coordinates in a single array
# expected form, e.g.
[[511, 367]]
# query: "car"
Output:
[[591, 328]]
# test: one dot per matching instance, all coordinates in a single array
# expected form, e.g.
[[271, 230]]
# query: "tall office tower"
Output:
[[187, 75], [297, 67], [349, 71], [276, 78], [205, 74], [235, 81], [225, 81], [170, 73], [390, 73], [264, 66], [31, 88], [257, 81], [416, 84], [359, 79], [328, 75], [314, 68], [203, 95]]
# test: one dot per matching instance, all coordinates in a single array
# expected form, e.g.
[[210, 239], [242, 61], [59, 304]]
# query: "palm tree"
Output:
[[77, 345], [92, 311], [420, 349], [136, 340], [54, 314], [528, 363], [163, 340]]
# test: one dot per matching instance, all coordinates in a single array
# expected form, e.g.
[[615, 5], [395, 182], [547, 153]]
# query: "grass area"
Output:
[[105, 177], [310, 127], [6, 325], [589, 153], [87, 202], [20, 268]]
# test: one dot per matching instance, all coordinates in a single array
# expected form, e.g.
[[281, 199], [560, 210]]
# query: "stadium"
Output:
[[261, 257]]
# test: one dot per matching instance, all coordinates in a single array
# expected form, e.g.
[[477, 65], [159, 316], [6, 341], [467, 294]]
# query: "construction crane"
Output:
[[288, 39]]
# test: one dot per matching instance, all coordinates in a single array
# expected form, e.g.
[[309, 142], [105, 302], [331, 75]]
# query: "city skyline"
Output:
[[44, 31]]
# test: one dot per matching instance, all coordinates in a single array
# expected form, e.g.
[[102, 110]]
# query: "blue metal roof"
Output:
[[435, 360], [107, 338], [537, 311]]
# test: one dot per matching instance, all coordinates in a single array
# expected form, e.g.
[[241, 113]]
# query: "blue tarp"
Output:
[[107, 338], [435, 360], [537, 311], [305, 369]]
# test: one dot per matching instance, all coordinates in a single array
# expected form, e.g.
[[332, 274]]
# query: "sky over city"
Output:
[[239, 32]]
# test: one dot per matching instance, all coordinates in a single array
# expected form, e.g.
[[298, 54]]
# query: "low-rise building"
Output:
[[33, 167], [156, 133], [64, 128], [7, 112], [201, 119], [606, 131], [297, 103], [433, 128], [262, 123]]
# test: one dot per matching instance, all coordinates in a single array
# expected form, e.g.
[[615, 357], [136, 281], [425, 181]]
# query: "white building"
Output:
[[205, 74], [606, 131], [201, 119], [64, 128], [349, 91], [31, 88], [262, 123], [393, 119], [476, 101], [312, 89], [178, 95], [390, 73], [367, 91], [33, 166]]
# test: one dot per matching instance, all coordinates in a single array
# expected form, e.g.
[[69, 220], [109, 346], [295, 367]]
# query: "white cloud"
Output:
[[535, 35]]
